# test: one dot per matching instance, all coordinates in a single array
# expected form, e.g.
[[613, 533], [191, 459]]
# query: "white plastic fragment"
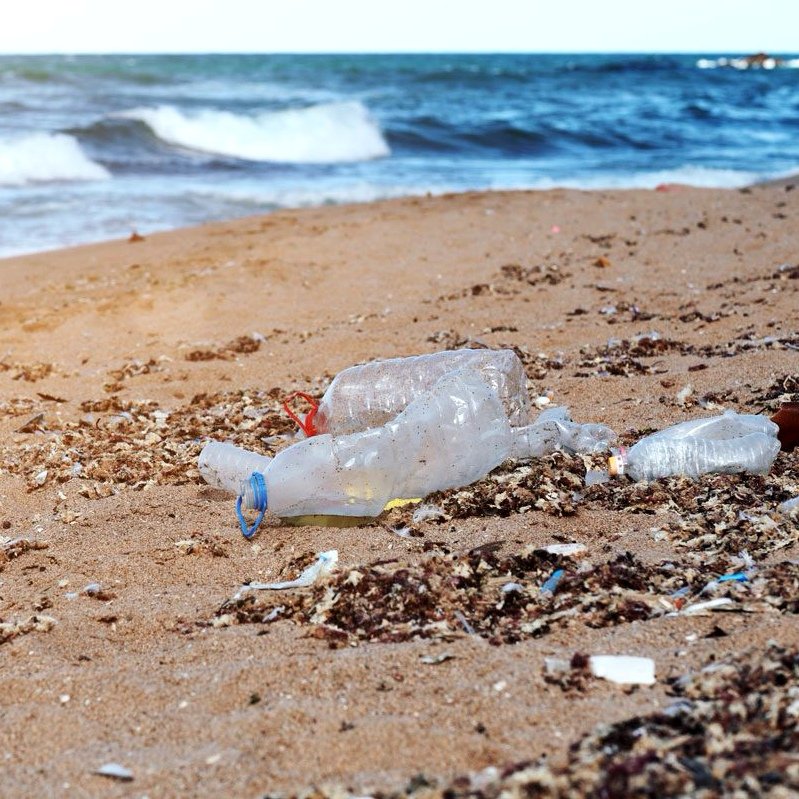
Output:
[[564, 549], [683, 394], [623, 669], [711, 604], [115, 771], [321, 567], [427, 512], [510, 588], [596, 476], [786, 508]]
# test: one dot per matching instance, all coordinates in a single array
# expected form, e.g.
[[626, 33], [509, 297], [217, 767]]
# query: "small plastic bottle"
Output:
[[368, 396], [448, 437], [725, 444]]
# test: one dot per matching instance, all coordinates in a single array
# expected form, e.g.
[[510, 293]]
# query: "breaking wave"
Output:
[[320, 134], [46, 158]]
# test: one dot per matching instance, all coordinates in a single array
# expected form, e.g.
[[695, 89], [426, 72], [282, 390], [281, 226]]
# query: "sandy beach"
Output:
[[118, 360]]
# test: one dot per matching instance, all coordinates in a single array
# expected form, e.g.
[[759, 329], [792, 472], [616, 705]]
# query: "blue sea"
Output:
[[93, 147]]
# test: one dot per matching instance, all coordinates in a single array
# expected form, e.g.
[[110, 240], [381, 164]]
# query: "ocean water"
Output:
[[92, 147]]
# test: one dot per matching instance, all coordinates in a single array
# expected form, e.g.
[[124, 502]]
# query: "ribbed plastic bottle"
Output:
[[725, 444], [448, 437], [368, 396]]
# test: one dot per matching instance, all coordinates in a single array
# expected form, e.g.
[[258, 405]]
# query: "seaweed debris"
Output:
[[499, 597], [732, 729]]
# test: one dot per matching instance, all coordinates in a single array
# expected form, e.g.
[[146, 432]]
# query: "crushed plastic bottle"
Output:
[[368, 396], [725, 444], [554, 429], [446, 438]]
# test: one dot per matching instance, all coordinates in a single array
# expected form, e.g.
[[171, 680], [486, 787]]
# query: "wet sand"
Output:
[[118, 359]]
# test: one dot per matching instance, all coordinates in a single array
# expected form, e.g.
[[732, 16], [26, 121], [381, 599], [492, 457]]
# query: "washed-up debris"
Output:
[[11, 548], [13, 629], [428, 512], [733, 730], [29, 372], [729, 443], [790, 507], [565, 549], [115, 771], [551, 584], [434, 660], [243, 345], [711, 604], [121, 442], [443, 596], [623, 669], [322, 567]]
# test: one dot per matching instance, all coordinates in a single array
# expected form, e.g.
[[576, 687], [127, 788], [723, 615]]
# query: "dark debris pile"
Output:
[[500, 597], [731, 730], [135, 443]]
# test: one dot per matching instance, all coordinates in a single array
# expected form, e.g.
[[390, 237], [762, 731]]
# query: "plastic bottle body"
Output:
[[224, 465], [449, 437], [726, 444], [370, 395]]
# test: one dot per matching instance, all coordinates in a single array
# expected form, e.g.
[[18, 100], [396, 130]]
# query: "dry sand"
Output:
[[99, 339]]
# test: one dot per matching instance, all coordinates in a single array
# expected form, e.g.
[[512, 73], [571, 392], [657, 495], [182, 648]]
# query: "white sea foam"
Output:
[[46, 158], [320, 134], [699, 176]]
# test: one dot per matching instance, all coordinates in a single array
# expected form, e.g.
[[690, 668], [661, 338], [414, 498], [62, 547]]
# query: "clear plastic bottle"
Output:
[[448, 437], [224, 465], [368, 396], [554, 429], [724, 444]]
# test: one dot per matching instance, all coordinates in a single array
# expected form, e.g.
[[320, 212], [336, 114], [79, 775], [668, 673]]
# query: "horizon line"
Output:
[[72, 53]]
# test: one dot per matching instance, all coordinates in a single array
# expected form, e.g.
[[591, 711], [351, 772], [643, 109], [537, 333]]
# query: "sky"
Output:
[[267, 26]]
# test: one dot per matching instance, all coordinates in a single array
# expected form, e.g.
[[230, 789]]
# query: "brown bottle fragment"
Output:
[[787, 419]]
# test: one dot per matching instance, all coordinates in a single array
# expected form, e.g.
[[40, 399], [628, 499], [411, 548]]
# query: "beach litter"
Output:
[[790, 507], [115, 771], [390, 430], [623, 669], [323, 566], [726, 444]]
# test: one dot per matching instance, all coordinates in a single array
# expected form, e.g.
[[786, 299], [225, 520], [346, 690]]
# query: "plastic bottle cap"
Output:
[[616, 463]]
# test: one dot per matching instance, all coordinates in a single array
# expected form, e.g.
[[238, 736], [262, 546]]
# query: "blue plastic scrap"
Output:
[[551, 585]]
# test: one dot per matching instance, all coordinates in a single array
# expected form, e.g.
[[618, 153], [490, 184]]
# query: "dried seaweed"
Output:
[[621, 357], [732, 730], [12, 629], [243, 345], [499, 597], [136, 443], [29, 372]]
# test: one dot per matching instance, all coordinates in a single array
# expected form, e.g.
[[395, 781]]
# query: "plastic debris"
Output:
[[449, 437], [789, 507], [368, 396], [725, 444], [596, 477], [434, 660], [428, 512], [565, 549], [551, 585], [710, 605], [553, 430], [115, 771], [623, 669], [323, 566]]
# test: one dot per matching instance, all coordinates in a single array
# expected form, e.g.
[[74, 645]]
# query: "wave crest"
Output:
[[46, 158], [320, 134]]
